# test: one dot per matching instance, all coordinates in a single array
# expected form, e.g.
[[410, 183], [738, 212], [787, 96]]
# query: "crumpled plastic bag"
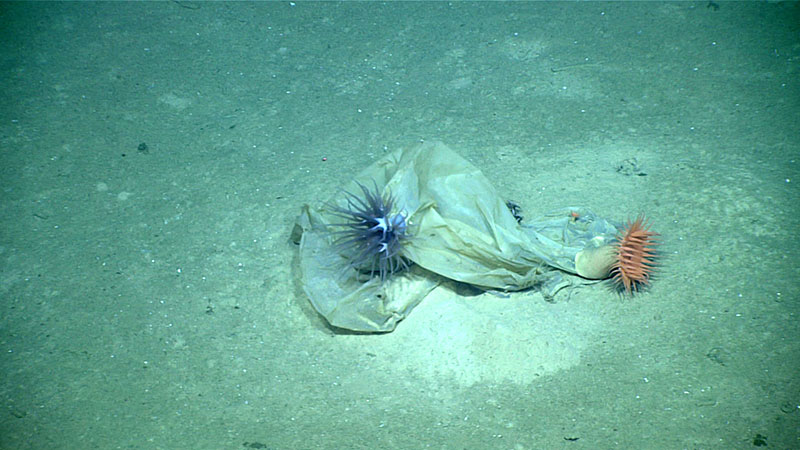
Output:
[[461, 229]]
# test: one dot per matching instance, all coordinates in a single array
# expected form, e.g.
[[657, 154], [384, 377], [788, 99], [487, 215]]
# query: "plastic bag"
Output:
[[460, 228]]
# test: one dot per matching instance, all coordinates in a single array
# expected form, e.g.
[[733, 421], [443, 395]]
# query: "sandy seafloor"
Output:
[[150, 296]]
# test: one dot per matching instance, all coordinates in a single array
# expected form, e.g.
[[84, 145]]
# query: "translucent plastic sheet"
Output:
[[460, 229]]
